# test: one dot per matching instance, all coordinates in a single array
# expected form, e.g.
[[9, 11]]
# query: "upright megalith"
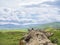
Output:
[[37, 37]]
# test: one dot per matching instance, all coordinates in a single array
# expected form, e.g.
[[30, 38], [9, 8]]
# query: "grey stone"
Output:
[[37, 37]]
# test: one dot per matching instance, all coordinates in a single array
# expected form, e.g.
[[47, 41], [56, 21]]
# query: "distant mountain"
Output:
[[55, 25], [10, 26]]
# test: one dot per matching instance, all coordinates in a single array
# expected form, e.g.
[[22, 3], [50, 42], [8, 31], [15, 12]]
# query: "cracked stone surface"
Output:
[[37, 37]]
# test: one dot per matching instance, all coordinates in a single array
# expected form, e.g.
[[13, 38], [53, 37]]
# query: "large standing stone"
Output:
[[36, 37]]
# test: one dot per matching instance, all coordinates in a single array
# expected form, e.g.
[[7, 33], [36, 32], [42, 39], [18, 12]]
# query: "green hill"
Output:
[[13, 37], [55, 25]]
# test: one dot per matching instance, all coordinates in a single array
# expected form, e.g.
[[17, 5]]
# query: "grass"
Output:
[[12, 37], [56, 34]]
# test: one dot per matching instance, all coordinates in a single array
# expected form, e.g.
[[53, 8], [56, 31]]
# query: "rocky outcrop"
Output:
[[37, 37]]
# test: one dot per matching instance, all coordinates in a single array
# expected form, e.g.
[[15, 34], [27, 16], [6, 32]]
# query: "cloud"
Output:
[[19, 3], [55, 3], [29, 12], [4, 23], [27, 15]]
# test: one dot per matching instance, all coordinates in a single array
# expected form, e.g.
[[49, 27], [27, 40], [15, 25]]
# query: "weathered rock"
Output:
[[36, 37]]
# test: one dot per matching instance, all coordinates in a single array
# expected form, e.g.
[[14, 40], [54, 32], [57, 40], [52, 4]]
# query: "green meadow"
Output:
[[12, 37]]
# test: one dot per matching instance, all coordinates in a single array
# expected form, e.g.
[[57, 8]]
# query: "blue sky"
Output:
[[26, 12]]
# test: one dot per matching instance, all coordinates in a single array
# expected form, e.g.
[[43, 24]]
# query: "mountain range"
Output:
[[10, 26]]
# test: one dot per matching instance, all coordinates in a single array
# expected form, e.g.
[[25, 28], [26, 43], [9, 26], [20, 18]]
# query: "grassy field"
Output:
[[10, 37], [56, 34]]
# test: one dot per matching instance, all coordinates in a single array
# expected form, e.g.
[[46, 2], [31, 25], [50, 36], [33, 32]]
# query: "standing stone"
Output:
[[35, 37]]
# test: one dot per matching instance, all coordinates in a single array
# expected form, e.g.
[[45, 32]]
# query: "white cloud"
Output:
[[32, 2], [2, 23], [26, 16], [19, 3]]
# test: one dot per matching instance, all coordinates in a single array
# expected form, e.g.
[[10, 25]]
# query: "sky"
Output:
[[27, 12]]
